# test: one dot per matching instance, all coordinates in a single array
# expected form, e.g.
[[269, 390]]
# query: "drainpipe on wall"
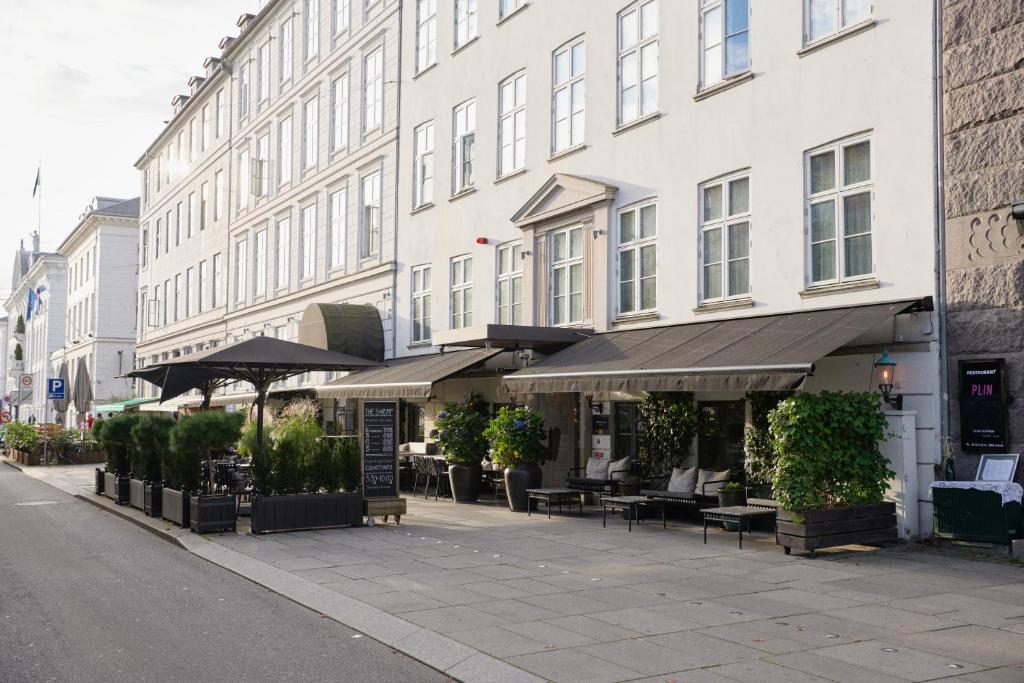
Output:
[[940, 223], [228, 252], [398, 169]]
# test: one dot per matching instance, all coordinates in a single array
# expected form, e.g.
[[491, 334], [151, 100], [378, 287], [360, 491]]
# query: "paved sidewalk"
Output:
[[485, 594]]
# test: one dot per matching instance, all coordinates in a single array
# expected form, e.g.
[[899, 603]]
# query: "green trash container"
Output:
[[973, 515]]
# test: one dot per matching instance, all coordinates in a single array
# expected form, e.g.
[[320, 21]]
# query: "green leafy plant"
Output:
[[517, 437], [296, 438], [828, 455], [350, 462], [152, 435], [324, 468], [19, 326], [115, 437], [460, 433], [669, 422], [21, 436], [732, 486], [18, 353], [758, 446], [195, 438]]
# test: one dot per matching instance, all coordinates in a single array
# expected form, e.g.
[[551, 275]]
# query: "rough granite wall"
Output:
[[983, 108]]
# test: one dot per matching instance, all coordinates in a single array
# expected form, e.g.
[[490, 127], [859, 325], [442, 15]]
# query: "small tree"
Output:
[[152, 435], [757, 441], [669, 423], [18, 354], [350, 462], [297, 439], [19, 326], [115, 436], [460, 433], [196, 438], [517, 437]]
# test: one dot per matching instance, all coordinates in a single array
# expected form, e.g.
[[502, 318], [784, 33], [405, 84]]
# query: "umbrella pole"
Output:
[[261, 397]]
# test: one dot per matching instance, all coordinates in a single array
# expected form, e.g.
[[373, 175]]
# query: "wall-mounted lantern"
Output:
[[885, 367]]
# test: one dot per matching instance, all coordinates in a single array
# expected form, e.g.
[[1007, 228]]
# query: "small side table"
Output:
[[738, 515], [632, 506], [554, 497]]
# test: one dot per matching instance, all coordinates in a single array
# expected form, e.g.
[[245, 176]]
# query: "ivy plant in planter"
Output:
[[517, 440], [758, 446], [196, 438], [460, 434], [115, 437], [152, 434], [669, 424], [830, 477]]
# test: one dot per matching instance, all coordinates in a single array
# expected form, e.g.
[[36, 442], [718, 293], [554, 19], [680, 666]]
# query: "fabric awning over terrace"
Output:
[[412, 377], [758, 353]]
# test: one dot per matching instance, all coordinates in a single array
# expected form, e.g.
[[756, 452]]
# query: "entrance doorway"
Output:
[[720, 434]]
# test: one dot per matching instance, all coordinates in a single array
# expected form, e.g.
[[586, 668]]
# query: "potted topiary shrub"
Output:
[[460, 434], [196, 438], [95, 434], [152, 434], [516, 436], [118, 444], [732, 493], [830, 476]]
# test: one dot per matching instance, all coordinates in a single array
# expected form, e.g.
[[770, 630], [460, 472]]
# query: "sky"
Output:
[[87, 85]]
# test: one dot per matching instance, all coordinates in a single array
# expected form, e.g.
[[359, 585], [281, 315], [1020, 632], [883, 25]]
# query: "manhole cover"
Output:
[[32, 503]]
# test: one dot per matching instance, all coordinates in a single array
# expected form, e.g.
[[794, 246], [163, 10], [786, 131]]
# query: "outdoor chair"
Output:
[[437, 469], [419, 470], [706, 497]]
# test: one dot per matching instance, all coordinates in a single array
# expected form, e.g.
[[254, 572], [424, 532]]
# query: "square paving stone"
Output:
[[644, 620], [765, 672], [600, 631], [643, 655], [451, 619], [897, 659], [986, 646], [832, 669], [568, 604], [571, 666], [550, 635], [401, 601], [498, 642], [516, 610]]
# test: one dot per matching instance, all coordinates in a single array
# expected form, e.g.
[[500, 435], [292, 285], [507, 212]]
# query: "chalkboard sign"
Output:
[[380, 454], [983, 419]]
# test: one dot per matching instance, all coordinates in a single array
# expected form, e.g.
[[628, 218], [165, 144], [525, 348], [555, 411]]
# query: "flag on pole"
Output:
[[39, 180]]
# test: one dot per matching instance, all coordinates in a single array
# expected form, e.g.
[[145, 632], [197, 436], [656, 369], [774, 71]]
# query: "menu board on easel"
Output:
[[983, 414], [380, 451]]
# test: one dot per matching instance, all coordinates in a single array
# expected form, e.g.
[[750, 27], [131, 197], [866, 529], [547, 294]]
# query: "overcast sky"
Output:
[[87, 85]]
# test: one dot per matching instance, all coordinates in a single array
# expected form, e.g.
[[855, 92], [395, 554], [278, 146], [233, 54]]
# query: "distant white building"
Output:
[[5, 333]]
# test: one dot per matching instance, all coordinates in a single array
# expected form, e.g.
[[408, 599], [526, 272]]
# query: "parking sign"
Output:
[[55, 388]]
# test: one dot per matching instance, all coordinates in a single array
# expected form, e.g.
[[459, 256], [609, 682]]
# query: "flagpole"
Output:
[[39, 208]]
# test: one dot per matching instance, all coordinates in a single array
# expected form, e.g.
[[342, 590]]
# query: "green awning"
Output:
[[122, 406]]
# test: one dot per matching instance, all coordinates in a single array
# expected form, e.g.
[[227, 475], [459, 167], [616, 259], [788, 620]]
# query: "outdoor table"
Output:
[[736, 514], [630, 505], [553, 497]]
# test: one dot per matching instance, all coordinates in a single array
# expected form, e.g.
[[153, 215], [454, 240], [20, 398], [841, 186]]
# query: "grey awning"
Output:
[[759, 353], [412, 377]]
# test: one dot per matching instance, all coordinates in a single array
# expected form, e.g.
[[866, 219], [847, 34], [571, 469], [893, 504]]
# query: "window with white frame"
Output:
[[145, 247], [178, 215], [311, 35], [339, 227], [423, 165], [567, 276], [204, 203], [287, 47], [263, 72], [259, 264], [216, 292], [241, 269], [310, 129], [823, 18], [370, 216], [167, 304], [461, 284], [463, 145], [204, 287], [339, 113], [284, 156], [725, 40], [426, 34], [568, 96], [638, 258], [638, 61], [243, 90], [308, 242], [193, 139], [167, 231], [725, 239], [465, 22], [507, 7], [191, 219], [179, 310], [284, 248], [204, 133], [244, 179], [262, 174], [839, 199], [340, 16], [156, 240], [190, 283], [512, 124], [373, 89], [420, 315], [219, 195], [219, 106], [509, 285]]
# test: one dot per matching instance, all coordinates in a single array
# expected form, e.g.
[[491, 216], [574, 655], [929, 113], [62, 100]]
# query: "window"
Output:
[[220, 112], [567, 276], [156, 246], [243, 90], [339, 226], [262, 174], [839, 197], [463, 145], [204, 131], [461, 283], [339, 113], [724, 39], [263, 72], [219, 195], [241, 268], [191, 218], [145, 247], [216, 294], [204, 200], [311, 37], [167, 303], [373, 89], [179, 310], [512, 124], [568, 96], [260, 263], [510, 284], [507, 7], [823, 18], [204, 287], [190, 283], [465, 22], [420, 304], [244, 180], [287, 50], [725, 239], [167, 232], [341, 12], [638, 61], [284, 161], [310, 126], [179, 213], [284, 237], [638, 258], [193, 141], [423, 165], [308, 246], [369, 239], [426, 34]]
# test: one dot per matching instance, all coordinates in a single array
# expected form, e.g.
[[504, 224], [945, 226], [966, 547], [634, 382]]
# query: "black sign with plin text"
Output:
[[983, 419], [380, 454]]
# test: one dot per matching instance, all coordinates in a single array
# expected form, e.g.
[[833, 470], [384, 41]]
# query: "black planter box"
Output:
[[174, 507], [100, 479], [814, 529], [115, 488], [135, 493], [212, 513], [305, 511], [152, 499]]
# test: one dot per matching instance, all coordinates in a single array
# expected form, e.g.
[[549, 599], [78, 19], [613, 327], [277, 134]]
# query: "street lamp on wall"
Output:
[[885, 367]]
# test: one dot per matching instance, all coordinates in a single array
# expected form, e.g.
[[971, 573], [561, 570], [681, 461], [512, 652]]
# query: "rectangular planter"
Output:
[[87, 457], [135, 493], [815, 529], [975, 516], [212, 513], [174, 506], [100, 480], [305, 511], [152, 499], [115, 488]]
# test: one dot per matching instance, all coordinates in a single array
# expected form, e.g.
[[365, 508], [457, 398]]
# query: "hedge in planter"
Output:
[[193, 439], [460, 434], [758, 446], [517, 440], [115, 436], [830, 477], [670, 423], [152, 435]]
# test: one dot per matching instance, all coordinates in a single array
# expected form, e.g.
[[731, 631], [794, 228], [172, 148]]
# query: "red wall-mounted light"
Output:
[[481, 240]]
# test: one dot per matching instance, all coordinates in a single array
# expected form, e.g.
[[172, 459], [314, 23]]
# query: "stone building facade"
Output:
[[983, 135]]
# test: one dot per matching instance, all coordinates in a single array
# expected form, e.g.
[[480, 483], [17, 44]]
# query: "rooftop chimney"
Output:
[[244, 20], [225, 42]]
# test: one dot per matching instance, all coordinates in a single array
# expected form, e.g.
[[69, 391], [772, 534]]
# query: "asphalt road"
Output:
[[86, 596]]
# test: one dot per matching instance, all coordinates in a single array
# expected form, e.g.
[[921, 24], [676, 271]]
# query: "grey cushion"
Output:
[[683, 481], [597, 468], [618, 469], [714, 480]]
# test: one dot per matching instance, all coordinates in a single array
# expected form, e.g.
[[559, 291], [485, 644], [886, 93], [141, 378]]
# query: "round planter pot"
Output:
[[517, 480], [730, 499], [465, 481]]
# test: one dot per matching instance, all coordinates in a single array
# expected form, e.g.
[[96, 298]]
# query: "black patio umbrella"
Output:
[[175, 379], [60, 405], [82, 390]]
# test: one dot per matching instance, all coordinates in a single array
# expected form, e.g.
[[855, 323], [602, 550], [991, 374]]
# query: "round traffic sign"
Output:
[[5, 417], [26, 380]]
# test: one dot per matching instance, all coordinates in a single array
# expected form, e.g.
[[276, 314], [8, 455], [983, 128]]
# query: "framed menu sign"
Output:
[[983, 419], [380, 452]]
